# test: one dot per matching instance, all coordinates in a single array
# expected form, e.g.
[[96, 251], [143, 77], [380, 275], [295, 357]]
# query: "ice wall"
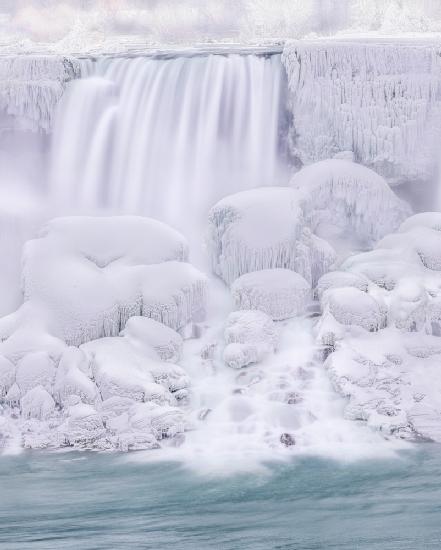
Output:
[[32, 85], [379, 99]]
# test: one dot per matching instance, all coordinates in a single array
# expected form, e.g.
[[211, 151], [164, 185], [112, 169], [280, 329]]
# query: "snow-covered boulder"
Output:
[[350, 196], [280, 293], [35, 369], [341, 279], [165, 341], [350, 306], [249, 335], [90, 275], [84, 426], [73, 378], [264, 229], [119, 371], [37, 403]]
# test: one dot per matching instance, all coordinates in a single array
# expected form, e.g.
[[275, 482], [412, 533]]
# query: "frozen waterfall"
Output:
[[168, 137]]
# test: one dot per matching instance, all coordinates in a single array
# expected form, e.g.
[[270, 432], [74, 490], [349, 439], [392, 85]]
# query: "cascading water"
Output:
[[168, 137]]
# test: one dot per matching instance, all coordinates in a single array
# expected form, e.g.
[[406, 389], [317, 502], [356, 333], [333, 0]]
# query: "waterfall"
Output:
[[168, 137]]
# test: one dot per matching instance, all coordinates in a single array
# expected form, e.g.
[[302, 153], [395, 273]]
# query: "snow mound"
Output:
[[351, 306], [351, 196], [32, 85], [341, 279], [93, 274], [144, 331], [264, 229], [280, 293], [250, 336]]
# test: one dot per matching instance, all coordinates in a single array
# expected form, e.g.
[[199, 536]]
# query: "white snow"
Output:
[[264, 229], [351, 196], [144, 331], [378, 98], [280, 293]]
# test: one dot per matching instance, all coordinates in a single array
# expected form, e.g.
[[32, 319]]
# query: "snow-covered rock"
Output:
[[165, 341], [351, 306], [379, 99], [264, 229], [93, 274], [32, 85], [351, 196], [37, 403], [35, 369], [341, 279], [280, 293]]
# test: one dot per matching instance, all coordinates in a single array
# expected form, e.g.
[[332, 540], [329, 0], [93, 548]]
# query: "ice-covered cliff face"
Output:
[[169, 137], [381, 100], [32, 85]]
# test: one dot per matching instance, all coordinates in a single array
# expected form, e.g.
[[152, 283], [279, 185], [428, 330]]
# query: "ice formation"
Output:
[[379, 99], [388, 369], [249, 335], [92, 274], [239, 241], [280, 293], [351, 196], [32, 85], [79, 364]]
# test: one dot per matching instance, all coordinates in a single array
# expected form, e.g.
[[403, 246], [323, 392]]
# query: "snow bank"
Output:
[[264, 229], [351, 196], [32, 85], [250, 336], [380, 100], [280, 293]]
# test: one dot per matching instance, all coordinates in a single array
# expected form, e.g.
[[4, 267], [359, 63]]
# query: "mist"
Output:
[[80, 25]]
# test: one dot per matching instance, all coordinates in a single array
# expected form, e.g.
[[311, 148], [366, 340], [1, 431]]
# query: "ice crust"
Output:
[[32, 85], [89, 360], [389, 372], [280, 293], [379, 99]]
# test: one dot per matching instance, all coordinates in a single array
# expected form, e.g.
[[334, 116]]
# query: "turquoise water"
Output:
[[99, 501]]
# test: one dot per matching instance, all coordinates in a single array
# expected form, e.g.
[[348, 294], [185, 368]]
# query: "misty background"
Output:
[[78, 25]]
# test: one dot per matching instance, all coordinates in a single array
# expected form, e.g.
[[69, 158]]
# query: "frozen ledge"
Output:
[[32, 85], [379, 97]]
